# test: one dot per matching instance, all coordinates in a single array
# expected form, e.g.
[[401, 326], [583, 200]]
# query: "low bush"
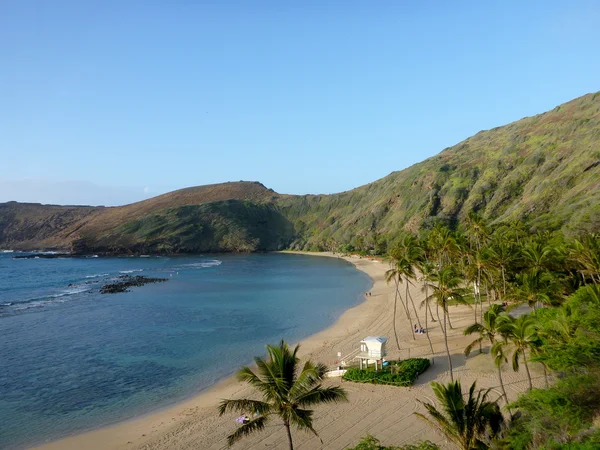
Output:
[[397, 373]]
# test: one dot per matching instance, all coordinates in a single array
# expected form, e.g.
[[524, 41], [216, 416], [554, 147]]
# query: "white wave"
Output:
[[6, 304], [144, 256], [131, 271], [201, 265], [71, 291], [7, 251], [97, 275]]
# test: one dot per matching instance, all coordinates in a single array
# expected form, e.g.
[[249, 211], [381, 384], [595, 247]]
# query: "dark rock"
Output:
[[127, 281]]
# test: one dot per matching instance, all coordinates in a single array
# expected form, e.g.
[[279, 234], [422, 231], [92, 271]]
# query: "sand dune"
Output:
[[383, 411]]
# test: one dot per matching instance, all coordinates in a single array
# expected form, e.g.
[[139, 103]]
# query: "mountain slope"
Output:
[[543, 170]]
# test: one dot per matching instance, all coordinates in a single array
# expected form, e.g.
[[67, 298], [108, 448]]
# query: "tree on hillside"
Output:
[[447, 287], [286, 392], [471, 422]]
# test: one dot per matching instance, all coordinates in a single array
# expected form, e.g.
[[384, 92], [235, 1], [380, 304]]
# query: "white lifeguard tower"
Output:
[[372, 349]]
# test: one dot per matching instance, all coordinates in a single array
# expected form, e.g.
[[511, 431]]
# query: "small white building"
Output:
[[372, 349]]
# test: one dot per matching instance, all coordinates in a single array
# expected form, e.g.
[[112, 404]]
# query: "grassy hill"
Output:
[[543, 170]]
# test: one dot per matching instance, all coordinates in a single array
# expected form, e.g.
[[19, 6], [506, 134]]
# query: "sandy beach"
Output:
[[383, 411]]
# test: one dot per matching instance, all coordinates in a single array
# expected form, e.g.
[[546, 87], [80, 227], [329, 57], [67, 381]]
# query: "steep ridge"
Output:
[[543, 170]]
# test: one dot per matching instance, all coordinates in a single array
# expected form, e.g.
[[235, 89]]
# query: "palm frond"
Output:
[[322, 395], [244, 406], [254, 425]]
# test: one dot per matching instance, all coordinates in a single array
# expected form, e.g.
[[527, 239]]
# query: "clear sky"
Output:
[[114, 101]]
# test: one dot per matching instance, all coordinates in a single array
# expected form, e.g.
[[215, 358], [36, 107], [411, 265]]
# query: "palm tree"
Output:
[[426, 270], [469, 423], [476, 230], [503, 255], [447, 288], [586, 254], [487, 329], [396, 274], [522, 336], [533, 287], [285, 393]]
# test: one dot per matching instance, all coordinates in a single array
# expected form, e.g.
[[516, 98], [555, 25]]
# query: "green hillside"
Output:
[[542, 170]]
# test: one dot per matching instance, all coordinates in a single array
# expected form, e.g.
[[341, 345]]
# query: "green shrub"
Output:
[[369, 442], [398, 373]]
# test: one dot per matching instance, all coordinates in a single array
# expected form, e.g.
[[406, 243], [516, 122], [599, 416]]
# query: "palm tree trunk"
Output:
[[407, 311], [502, 385], [504, 281], [448, 314], [289, 435], [447, 348], [394, 318], [413, 304], [427, 329], [430, 311], [527, 370]]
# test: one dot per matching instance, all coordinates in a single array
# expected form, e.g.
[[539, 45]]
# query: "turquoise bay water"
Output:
[[72, 359]]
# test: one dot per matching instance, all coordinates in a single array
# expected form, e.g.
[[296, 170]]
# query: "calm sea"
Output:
[[72, 359]]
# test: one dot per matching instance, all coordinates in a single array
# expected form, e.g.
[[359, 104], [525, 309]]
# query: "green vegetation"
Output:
[[558, 277], [286, 392], [397, 373], [469, 423], [371, 443]]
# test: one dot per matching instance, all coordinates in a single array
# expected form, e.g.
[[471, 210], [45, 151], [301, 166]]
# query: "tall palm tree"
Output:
[[426, 270], [447, 287], [469, 423], [521, 334], [396, 274], [476, 230], [503, 255], [286, 392]]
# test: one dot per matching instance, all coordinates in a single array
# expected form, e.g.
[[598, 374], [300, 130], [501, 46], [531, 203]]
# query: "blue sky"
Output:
[[142, 97]]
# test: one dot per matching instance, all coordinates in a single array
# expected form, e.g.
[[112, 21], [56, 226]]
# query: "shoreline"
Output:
[[383, 411]]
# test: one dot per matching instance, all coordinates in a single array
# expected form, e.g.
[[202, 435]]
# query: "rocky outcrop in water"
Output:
[[127, 281]]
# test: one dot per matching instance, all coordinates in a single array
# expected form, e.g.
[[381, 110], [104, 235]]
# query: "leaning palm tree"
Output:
[[446, 288], [521, 334], [286, 392], [469, 423]]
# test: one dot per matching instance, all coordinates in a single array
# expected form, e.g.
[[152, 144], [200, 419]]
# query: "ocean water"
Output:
[[72, 359]]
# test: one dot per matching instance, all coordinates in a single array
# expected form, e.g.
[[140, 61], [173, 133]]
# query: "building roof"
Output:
[[378, 339]]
